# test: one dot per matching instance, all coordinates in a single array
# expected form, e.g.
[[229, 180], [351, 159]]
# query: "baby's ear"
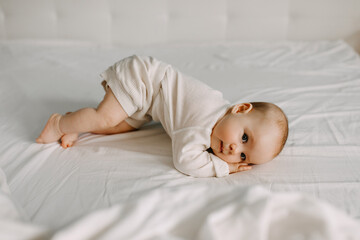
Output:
[[242, 108]]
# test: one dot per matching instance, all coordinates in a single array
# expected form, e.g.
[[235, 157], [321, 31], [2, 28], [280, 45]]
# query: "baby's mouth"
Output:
[[221, 146]]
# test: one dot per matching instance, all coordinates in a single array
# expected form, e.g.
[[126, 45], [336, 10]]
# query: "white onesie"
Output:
[[188, 109]]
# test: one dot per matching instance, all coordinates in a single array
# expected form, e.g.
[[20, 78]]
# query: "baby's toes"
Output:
[[68, 140]]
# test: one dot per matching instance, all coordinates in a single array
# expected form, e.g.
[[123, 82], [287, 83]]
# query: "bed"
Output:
[[125, 186]]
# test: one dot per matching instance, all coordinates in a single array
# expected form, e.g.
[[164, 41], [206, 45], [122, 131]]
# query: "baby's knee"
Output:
[[107, 120]]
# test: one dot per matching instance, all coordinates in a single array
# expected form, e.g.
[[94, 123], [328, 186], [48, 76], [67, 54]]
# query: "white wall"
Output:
[[163, 21]]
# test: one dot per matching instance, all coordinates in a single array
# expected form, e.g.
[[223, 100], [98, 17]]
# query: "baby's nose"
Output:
[[234, 149]]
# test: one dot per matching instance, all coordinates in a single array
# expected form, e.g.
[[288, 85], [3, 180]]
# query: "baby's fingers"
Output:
[[238, 167], [243, 167]]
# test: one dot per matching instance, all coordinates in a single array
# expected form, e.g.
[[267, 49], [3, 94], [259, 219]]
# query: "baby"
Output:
[[209, 136]]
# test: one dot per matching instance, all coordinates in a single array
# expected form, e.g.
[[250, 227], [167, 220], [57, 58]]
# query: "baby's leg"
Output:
[[120, 128], [68, 140], [108, 114], [51, 131]]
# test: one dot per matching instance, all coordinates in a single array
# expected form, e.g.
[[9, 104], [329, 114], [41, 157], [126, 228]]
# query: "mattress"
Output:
[[61, 192]]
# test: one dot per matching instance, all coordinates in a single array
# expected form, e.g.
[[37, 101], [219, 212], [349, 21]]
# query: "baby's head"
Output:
[[252, 133]]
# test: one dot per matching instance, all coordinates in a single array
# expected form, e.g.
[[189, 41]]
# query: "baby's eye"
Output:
[[243, 156], [245, 138]]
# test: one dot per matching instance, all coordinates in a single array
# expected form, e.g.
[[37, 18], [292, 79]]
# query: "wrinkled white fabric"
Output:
[[316, 83], [200, 212], [13, 224]]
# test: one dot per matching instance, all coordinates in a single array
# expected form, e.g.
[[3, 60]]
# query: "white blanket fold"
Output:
[[199, 212], [12, 221]]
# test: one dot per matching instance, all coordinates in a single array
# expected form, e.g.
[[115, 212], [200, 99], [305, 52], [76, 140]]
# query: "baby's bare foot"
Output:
[[51, 131], [68, 140]]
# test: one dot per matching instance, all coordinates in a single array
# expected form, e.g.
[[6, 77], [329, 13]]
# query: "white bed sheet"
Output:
[[317, 84]]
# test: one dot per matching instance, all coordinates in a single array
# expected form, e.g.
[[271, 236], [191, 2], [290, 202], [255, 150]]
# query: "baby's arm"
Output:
[[191, 157]]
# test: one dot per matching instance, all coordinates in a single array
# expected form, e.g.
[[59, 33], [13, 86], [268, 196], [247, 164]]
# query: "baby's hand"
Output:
[[238, 167]]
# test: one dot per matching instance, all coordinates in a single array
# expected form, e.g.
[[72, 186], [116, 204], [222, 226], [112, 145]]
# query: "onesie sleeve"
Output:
[[190, 156]]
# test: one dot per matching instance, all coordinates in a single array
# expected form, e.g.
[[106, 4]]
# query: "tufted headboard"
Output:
[[165, 21]]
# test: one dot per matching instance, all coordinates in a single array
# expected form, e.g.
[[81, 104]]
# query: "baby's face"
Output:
[[245, 137]]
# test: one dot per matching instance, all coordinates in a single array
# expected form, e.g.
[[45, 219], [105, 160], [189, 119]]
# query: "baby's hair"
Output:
[[278, 117]]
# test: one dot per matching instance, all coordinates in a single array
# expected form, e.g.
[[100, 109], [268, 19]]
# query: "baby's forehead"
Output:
[[270, 118], [266, 130], [270, 127], [266, 145]]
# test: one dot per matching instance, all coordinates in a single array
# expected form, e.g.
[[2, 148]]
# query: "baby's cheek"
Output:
[[212, 141], [225, 132]]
